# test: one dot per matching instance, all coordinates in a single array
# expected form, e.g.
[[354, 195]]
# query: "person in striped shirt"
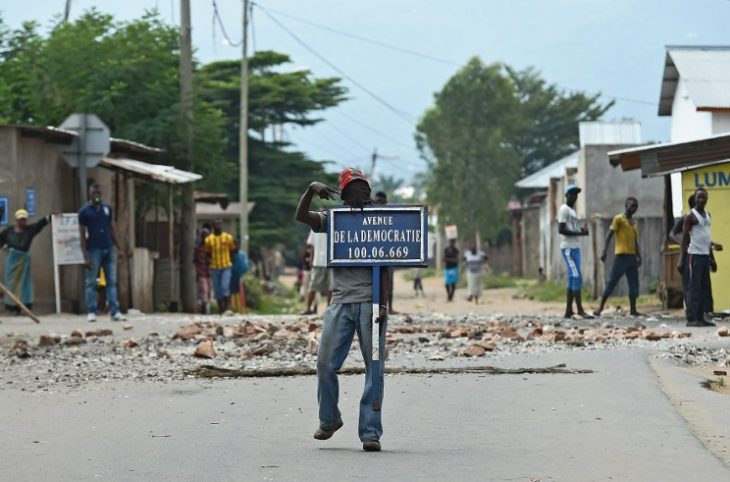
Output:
[[220, 245]]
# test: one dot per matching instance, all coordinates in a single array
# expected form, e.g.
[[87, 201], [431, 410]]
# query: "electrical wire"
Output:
[[373, 129], [427, 56], [218, 18], [400, 113], [363, 39]]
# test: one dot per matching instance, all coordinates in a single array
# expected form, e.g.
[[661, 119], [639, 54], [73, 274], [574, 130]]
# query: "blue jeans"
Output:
[[221, 283], [571, 256], [341, 321], [107, 259]]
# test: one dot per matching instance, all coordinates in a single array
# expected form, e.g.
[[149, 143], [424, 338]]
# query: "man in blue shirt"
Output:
[[98, 243]]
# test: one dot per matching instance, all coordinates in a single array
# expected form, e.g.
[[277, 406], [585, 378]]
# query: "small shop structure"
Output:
[[34, 176]]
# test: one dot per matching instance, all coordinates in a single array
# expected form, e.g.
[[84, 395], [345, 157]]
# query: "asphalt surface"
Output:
[[614, 424]]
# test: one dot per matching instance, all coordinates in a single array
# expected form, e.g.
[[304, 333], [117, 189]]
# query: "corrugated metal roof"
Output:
[[541, 178], [706, 72], [609, 133], [670, 157], [155, 172]]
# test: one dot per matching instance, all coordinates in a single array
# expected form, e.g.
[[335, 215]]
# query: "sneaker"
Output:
[[118, 316], [322, 434], [371, 446], [91, 317], [700, 323]]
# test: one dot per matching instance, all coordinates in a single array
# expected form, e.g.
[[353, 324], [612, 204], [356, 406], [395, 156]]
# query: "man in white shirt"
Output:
[[320, 279], [570, 249]]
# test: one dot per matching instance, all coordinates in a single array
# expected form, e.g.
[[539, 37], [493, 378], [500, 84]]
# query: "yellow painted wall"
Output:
[[716, 180]]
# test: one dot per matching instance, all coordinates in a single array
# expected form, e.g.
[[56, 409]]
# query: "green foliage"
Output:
[[125, 72], [489, 125], [495, 282], [277, 174], [548, 291], [266, 299], [128, 74]]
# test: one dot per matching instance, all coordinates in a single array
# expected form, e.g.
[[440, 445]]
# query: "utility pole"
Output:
[[187, 211], [243, 134]]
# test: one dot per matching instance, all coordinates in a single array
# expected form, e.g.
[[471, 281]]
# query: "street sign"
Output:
[[92, 142], [377, 236], [4, 205], [30, 201]]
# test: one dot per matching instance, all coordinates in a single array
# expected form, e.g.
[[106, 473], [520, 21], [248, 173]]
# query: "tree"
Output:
[[548, 119], [125, 72], [277, 174], [490, 125]]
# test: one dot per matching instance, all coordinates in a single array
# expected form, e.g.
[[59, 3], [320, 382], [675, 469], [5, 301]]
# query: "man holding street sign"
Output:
[[351, 311]]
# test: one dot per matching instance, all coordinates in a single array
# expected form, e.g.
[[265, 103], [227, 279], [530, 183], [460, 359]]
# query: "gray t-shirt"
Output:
[[350, 285]]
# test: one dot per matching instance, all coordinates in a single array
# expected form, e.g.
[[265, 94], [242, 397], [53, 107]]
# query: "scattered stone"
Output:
[[721, 373], [127, 327], [131, 343], [723, 331], [474, 350], [20, 349], [77, 334], [100, 332], [205, 349], [74, 341], [48, 340]]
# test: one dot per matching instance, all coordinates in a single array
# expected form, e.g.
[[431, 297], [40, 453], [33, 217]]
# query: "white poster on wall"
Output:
[[66, 246]]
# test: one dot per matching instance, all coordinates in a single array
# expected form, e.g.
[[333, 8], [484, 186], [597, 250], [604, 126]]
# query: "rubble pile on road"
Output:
[[290, 341], [697, 355]]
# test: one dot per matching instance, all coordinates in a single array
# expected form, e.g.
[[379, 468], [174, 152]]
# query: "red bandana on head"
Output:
[[348, 175]]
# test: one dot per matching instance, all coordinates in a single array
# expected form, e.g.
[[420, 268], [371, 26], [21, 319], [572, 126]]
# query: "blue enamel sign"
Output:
[[377, 236], [30, 201], [4, 204]]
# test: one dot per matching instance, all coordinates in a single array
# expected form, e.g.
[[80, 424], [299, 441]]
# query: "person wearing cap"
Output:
[[627, 258], [18, 239], [351, 311], [570, 231]]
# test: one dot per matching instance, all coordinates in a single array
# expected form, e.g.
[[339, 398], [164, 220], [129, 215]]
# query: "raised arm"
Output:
[[303, 214]]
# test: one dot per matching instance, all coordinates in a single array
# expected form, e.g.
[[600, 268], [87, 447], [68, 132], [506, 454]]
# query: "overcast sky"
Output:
[[611, 46]]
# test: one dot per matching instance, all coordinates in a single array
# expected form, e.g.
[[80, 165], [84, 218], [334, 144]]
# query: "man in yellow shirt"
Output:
[[628, 256], [219, 245]]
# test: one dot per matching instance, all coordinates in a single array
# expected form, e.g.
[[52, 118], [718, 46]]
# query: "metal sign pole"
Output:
[[375, 341]]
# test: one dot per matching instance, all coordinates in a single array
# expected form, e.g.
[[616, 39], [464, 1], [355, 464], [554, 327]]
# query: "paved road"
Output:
[[616, 424]]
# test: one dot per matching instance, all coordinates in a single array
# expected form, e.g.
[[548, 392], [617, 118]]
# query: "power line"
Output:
[[373, 129], [424, 55], [400, 113], [364, 39], [348, 136], [217, 16]]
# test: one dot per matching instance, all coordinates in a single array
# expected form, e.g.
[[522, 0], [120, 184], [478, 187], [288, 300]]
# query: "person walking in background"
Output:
[[418, 281], [99, 247], [474, 259], [18, 239], [570, 231], [627, 255], [320, 280], [239, 267], [220, 246], [202, 270], [697, 257], [451, 269]]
